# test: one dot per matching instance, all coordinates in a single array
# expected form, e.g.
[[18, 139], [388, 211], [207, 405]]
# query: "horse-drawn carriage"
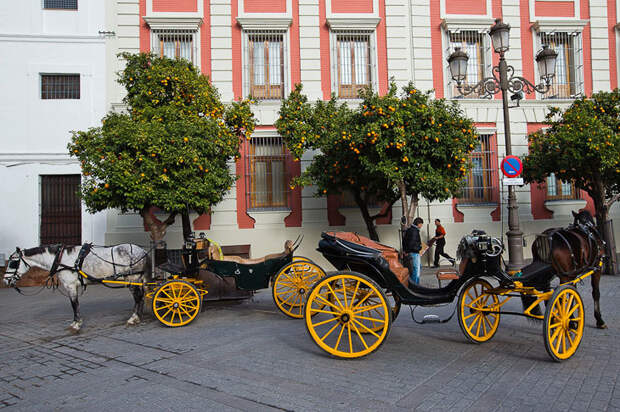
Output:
[[177, 291], [349, 313]]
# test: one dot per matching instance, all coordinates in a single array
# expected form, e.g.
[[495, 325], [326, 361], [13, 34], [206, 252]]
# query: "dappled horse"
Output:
[[569, 252], [126, 262]]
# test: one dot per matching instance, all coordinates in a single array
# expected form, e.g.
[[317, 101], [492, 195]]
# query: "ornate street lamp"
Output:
[[503, 79]]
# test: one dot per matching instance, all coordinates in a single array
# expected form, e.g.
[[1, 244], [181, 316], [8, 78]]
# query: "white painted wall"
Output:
[[35, 132]]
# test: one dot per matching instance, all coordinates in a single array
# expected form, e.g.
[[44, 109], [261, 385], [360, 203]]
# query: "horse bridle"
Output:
[[15, 260]]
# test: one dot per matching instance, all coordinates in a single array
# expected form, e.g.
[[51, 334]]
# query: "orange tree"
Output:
[[169, 150], [581, 145], [389, 147], [328, 129], [419, 144]]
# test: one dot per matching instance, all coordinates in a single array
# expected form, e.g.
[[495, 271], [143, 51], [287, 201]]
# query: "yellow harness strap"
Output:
[[219, 249]]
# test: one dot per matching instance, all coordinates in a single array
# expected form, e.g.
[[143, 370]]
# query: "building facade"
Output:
[[265, 47], [53, 72]]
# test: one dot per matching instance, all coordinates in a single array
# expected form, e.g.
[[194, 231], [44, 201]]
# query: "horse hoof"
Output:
[[603, 326], [133, 320], [75, 327]]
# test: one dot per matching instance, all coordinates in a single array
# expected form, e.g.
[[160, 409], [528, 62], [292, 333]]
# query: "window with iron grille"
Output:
[[568, 80], [480, 182], [267, 178], [175, 44], [61, 210], [353, 62], [265, 57], [60, 86], [558, 189], [60, 4], [476, 45]]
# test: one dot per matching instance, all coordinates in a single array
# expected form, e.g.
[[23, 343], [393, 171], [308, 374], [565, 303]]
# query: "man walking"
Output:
[[412, 244], [440, 243]]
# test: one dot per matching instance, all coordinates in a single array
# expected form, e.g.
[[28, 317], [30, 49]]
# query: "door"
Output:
[[61, 210]]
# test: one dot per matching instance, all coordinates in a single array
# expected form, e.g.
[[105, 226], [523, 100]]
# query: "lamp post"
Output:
[[503, 79]]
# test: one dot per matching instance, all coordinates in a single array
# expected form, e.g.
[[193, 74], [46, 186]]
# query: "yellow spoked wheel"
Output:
[[340, 321], [176, 303], [564, 321], [476, 318], [291, 285]]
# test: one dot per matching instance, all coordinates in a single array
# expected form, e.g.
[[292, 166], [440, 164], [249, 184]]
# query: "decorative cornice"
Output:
[[559, 25], [467, 23], [164, 23], [353, 23], [262, 23]]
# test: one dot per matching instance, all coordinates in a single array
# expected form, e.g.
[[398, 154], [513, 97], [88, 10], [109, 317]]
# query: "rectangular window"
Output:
[[479, 183], [265, 64], [175, 44], [267, 179], [568, 80], [560, 190], [60, 4], [476, 45], [354, 63], [60, 86], [61, 210]]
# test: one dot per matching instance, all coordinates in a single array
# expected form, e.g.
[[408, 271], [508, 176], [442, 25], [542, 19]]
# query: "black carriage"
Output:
[[349, 313]]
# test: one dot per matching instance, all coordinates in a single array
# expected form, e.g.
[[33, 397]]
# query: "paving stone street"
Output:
[[248, 356]]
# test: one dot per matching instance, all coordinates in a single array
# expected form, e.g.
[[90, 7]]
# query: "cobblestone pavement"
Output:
[[248, 356]]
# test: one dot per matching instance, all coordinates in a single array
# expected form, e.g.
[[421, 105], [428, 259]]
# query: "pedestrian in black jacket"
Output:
[[412, 244]]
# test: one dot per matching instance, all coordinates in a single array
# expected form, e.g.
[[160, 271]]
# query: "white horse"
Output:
[[99, 263]]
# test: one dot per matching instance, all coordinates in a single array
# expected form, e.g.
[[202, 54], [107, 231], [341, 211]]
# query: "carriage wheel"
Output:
[[477, 323], [338, 324], [176, 303], [564, 321], [292, 284]]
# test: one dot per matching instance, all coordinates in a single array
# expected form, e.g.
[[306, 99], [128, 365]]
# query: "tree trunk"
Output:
[[370, 225], [187, 226], [403, 198], [157, 228], [413, 206]]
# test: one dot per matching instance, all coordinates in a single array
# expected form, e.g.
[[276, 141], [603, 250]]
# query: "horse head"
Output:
[[583, 218], [16, 268], [22, 260]]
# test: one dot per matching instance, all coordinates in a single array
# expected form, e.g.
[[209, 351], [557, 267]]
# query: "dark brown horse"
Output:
[[573, 251]]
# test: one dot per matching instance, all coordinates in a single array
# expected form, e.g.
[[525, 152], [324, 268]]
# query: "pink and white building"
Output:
[[265, 47]]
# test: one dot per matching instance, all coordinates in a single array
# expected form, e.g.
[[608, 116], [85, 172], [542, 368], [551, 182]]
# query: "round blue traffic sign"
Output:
[[511, 166]]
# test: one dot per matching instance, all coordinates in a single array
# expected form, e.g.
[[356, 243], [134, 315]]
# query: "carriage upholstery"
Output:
[[214, 254], [388, 253]]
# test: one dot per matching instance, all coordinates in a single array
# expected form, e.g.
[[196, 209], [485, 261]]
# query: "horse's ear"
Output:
[[574, 214], [17, 249]]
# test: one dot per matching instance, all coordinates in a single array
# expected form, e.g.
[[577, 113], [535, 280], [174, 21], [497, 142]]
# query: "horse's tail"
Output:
[[148, 267]]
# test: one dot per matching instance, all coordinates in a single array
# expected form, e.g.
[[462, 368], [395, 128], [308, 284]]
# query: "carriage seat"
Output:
[[388, 253], [536, 273], [446, 274], [214, 254]]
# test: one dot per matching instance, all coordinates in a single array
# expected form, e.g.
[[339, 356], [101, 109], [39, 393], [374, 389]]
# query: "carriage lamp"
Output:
[[500, 36], [503, 79]]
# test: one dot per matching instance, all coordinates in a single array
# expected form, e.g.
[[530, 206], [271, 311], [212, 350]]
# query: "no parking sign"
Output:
[[511, 166]]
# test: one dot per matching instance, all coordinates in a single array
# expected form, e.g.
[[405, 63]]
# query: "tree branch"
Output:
[[386, 209]]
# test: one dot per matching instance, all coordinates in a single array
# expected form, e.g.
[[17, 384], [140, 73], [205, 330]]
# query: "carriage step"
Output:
[[431, 319]]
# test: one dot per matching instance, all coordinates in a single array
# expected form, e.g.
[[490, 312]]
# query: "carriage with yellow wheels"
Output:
[[349, 313], [177, 298]]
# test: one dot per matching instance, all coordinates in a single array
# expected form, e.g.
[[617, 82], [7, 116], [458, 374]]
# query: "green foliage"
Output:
[[170, 150], [582, 144], [383, 144], [415, 139]]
